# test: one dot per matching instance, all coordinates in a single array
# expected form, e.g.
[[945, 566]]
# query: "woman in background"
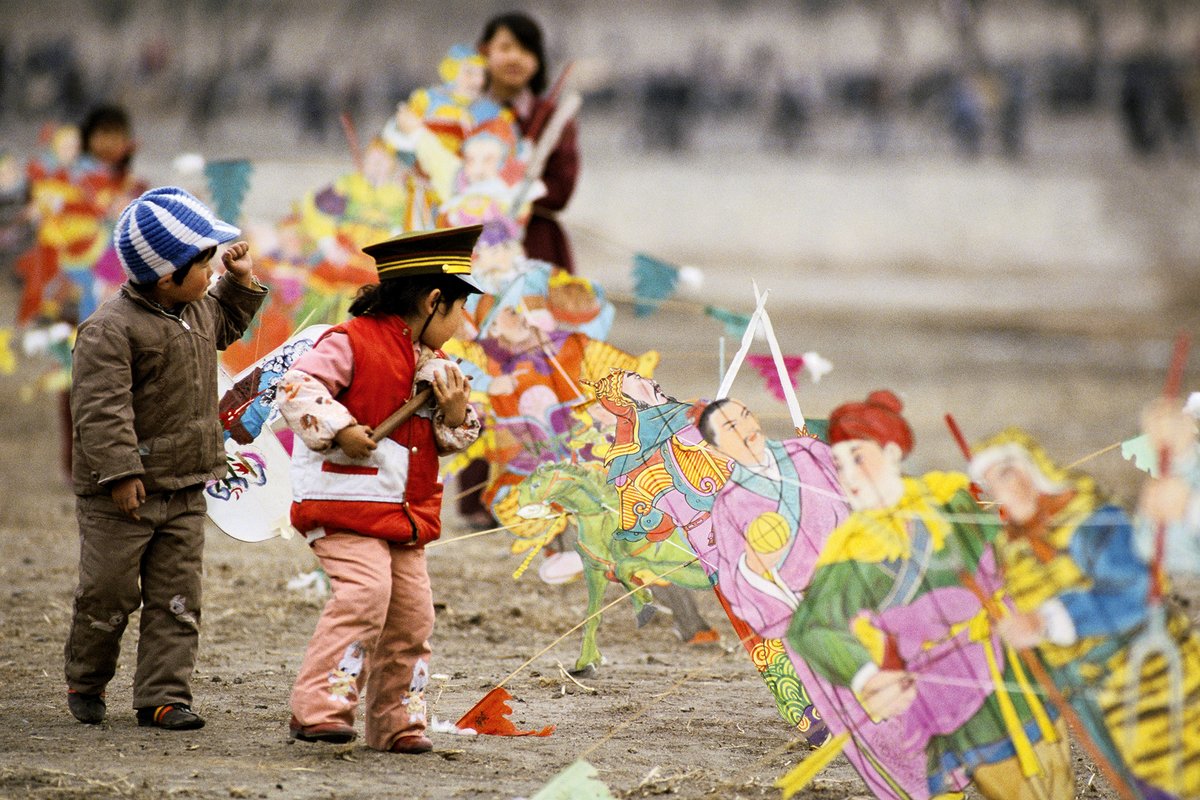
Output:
[[516, 74], [512, 47]]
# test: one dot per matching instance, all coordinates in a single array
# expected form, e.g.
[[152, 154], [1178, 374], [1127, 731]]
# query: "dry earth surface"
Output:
[[661, 719]]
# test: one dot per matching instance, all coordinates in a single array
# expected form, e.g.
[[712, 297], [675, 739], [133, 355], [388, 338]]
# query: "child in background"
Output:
[[16, 233], [147, 439], [107, 139], [369, 508]]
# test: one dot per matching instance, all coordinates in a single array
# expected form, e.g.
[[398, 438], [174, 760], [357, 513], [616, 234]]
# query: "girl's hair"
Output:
[[529, 34], [403, 296], [105, 118]]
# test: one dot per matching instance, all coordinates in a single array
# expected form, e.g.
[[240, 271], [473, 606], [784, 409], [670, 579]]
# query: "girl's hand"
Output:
[[239, 264], [451, 389], [355, 441]]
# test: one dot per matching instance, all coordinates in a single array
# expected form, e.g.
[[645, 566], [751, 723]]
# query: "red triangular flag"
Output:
[[490, 716]]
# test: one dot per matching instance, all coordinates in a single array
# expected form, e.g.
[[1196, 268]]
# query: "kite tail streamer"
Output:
[[803, 773], [533, 551]]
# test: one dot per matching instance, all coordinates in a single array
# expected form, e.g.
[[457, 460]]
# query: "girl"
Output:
[[368, 508]]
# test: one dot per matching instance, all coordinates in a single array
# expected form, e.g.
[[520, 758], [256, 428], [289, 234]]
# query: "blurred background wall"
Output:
[[1006, 154]]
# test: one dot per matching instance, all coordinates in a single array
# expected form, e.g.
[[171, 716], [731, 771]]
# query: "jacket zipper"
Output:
[[180, 320], [411, 521]]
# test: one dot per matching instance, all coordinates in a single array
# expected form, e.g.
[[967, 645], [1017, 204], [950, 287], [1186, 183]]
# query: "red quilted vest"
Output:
[[394, 494]]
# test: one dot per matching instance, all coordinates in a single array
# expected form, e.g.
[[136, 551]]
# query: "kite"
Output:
[[1080, 594], [252, 501], [580, 490], [896, 618]]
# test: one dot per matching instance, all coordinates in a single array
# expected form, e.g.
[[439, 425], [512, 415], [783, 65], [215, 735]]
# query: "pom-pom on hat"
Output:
[[163, 231], [877, 419], [446, 251]]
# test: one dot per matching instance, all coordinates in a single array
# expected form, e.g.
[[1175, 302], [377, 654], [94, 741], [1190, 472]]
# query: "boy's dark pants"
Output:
[[123, 564]]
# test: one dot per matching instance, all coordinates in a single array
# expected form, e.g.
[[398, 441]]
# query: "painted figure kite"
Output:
[[896, 614], [1080, 591]]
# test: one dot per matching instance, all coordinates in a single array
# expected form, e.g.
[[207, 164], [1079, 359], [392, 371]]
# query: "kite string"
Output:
[[489, 531], [585, 621], [687, 676]]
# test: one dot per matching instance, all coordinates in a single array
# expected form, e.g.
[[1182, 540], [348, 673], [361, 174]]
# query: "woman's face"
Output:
[[509, 65]]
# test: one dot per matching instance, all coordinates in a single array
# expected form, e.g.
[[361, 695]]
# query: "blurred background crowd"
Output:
[[864, 77]]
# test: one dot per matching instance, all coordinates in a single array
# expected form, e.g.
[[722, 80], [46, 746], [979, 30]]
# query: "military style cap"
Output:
[[446, 251]]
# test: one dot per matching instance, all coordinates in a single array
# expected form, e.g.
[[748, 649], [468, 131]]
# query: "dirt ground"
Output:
[[661, 719]]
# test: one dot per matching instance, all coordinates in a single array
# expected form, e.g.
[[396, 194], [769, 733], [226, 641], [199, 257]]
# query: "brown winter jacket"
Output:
[[144, 389]]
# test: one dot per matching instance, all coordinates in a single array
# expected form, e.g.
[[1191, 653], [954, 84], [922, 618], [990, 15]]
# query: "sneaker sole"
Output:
[[189, 726]]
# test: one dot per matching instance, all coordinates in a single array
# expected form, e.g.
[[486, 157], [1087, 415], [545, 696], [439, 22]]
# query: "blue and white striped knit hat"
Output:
[[164, 230]]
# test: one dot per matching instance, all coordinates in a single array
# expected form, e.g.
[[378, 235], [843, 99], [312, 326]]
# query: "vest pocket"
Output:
[[381, 477]]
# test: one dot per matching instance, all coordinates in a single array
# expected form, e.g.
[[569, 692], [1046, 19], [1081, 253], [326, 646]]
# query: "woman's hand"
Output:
[[451, 389], [355, 441]]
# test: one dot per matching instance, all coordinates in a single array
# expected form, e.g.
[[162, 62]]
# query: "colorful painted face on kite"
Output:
[[737, 434], [869, 473], [642, 391], [1011, 483], [483, 155], [512, 328]]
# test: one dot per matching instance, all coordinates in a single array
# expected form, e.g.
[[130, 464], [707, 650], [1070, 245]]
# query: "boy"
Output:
[[147, 438]]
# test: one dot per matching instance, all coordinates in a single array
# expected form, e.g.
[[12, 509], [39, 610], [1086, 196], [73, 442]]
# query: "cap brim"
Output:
[[223, 232], [469, 281]]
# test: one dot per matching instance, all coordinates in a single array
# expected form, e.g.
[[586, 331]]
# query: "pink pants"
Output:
[[373, 632]]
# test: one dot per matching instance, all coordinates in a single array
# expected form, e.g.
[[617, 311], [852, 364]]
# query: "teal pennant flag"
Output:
[[577, 782], [228, 182], [735, 323], [653, 282]]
